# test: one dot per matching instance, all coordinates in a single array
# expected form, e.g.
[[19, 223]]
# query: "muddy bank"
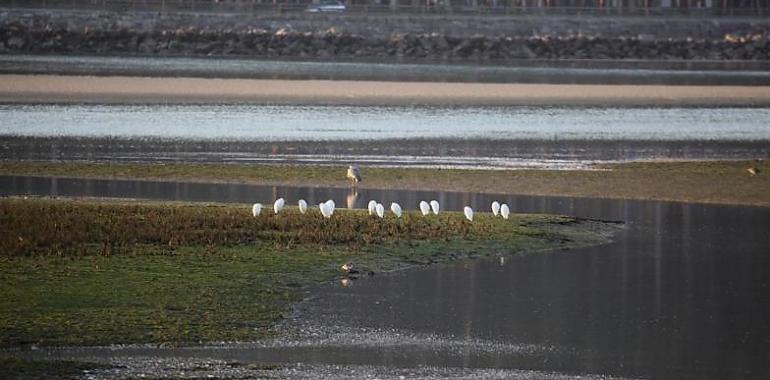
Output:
[[675, 181]]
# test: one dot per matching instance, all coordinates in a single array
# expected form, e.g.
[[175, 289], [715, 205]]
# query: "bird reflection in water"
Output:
[[352, 198]]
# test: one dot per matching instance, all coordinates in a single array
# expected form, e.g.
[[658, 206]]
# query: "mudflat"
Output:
[[85, 89], [723, 182]]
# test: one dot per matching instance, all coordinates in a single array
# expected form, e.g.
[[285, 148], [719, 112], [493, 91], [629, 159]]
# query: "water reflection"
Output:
[[682, 293]]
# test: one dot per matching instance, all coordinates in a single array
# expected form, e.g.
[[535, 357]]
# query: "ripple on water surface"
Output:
[[285, 122]]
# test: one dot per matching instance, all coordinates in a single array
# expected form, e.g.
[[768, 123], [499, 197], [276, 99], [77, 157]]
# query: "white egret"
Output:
[[346, 267], [326, 210], [330, 204], [396, 208], [424, 208], [380, 209], [372, 207], [302, 206], [434, 206], [495, 207], [278, 205], [468, 213], [256, 209], [505, 211], [354, 175]]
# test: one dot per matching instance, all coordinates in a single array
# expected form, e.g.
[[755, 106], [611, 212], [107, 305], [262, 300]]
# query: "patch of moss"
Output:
[[16, 368]]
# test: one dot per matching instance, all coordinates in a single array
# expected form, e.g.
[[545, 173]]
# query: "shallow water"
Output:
[[451, 137], [748, 73], [290, 122], [680, 294]]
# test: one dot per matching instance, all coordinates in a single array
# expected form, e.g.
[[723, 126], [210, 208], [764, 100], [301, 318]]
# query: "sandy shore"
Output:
[[84, 89]]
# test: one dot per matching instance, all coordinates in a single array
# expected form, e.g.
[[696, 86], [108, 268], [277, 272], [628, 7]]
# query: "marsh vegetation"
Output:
[[103, 272]]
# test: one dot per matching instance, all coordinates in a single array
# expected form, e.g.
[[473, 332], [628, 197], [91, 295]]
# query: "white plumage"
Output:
[[396, 208], [326, 209], [495, 207], [434, 206], [330, 204], [372, 207], [256, 209], [380, 209], [278, 205], [302, 206], [468, 213], [504, 211], [424, 208]]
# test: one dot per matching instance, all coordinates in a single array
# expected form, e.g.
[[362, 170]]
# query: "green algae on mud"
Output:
[[726, 182], [16, 368], [95, 273]]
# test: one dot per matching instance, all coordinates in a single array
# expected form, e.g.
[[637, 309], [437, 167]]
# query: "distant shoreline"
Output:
[[142, 90]]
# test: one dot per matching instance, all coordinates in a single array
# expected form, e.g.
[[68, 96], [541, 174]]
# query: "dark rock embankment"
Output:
[[330, 44], [301, 38]]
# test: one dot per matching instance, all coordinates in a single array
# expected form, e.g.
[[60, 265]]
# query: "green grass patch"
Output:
[[93, 273]]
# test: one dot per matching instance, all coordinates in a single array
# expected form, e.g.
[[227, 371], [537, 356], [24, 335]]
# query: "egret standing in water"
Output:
[[302, 206], [434, 206], [505, 211], [278, 205], [354, 175], [424, 208], [256, 209], [468, 213]]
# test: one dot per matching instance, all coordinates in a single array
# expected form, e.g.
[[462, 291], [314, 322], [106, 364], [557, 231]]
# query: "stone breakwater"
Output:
[[308, 37], [261, 43]]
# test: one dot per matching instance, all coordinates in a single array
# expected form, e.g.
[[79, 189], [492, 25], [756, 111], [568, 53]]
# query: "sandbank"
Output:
[[87, 89]]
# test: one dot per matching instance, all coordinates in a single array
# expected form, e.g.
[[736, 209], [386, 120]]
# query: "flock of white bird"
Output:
[[376, 208]]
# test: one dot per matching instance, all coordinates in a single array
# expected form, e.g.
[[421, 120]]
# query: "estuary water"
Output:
[[492, 137], [681, 293], [288, 122], [712, 73]]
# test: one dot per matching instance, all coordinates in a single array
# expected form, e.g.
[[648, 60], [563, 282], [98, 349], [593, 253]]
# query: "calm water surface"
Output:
[[681, 293], [287, 122], [749, 73]]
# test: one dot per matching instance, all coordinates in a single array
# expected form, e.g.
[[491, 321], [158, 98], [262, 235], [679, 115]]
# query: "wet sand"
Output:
[[86, 89]]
